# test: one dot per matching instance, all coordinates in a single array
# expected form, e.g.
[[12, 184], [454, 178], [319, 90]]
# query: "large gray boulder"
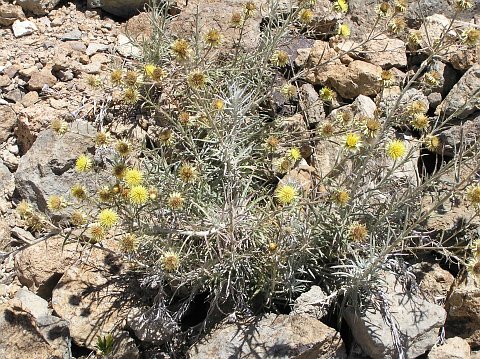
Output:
[[48, 167], [271, 337], [417, 324]]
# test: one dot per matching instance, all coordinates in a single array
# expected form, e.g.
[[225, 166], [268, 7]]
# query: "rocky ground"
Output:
[[56, 301]]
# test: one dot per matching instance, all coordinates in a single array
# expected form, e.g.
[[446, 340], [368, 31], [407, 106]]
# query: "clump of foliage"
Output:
[[215, 205]]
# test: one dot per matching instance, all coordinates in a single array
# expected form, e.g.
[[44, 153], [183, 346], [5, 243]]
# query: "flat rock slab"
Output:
[[273, 336]]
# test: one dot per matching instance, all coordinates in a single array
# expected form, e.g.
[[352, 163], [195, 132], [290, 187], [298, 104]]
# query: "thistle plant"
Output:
[[211, 207]]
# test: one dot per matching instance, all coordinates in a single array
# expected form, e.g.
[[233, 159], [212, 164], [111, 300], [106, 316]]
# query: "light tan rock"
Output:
[[41, 78], [9, 13], [93, 297], [434, 282], [8, 120], [453, 348], [40, 267]]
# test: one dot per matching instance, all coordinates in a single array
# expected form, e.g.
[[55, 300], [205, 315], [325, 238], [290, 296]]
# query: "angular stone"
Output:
[[41, 78], [9, 13], [417, 321], [94, 297], [41, 266], [29, 331], [460, 102], [382, 51], [121, 8], [311, 105], [8, 119], [434, 282], [463, 307], [453, 348], [464, 133], [23, 28], [269, 337], [38, 7], [48, 167], [312, 303]]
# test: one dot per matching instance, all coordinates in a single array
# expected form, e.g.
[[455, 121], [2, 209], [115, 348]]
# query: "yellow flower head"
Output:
[[175, 201], [387, 77], [294, 153], [97, 232], [131, 95], [344, 30], [341, 197], [473, 268], [414, 39], [327, 129], [401, 5], [79, 192], [138, 195], [384, 9], [133, 177], [372, 126], [131, 78], [352, 141], [283, 164], [357, 232], [305, 16], [197, 79], [24, 209], [431, 142], [464, 4], [396, 149], [470, 36], [187, 173], [213, 38], [181, 50], [105, 194], [129, 243], [78, 218], [107, 218], [101, 138], [149, 69], [327, 94], [116, 77], [83, 163], [279, 58], [272, 246], [236, 20], [250, 9], [123, 147], [56, 203], [272, 143], [397, 25], [119, 170], [218, 104], [59, 126], [473, 195], [420, 122], [166, 137], [432, 78], [341, 6], [289, 90], [170, 261], [286, 194], [416, 107]]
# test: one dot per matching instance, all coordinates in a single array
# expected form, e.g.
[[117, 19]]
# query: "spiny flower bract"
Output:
[[170, 261], [55, 203]]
